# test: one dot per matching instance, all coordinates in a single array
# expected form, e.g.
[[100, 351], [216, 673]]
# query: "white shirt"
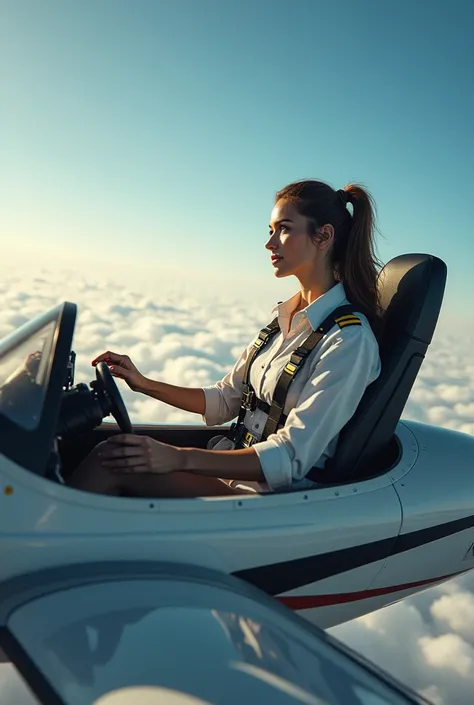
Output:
[[321, 399]]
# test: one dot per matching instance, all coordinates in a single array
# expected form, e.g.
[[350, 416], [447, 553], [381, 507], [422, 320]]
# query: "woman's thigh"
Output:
[[92, 477], [177, 484]]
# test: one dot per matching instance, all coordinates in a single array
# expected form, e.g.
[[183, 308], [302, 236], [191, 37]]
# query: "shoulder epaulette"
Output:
[[349, 319]]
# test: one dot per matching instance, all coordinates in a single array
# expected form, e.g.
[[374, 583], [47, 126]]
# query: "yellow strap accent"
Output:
[[290, 367], [248, 439]]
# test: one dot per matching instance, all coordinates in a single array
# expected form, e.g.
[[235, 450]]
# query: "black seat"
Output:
[[411, 292]]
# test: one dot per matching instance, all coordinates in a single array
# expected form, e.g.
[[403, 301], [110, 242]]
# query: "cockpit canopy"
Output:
[[33, 373]]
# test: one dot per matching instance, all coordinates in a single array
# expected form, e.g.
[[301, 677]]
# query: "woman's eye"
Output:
[[282, 228]]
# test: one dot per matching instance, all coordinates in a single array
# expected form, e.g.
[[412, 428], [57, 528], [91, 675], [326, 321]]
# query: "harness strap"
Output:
[[249, 399], [263, 406]]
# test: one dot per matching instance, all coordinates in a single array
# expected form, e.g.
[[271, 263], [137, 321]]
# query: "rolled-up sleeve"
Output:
[[349, 361], [223, 399]]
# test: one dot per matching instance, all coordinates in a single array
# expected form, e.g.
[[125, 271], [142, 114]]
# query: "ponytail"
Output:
[[352, 256], [355, 261]]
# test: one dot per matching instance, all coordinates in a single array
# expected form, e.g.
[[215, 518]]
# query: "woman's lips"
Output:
[[276, 259]]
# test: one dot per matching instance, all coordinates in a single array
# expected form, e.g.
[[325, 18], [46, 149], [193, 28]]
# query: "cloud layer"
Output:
[[426, 641], [192, 340], [171, 337]]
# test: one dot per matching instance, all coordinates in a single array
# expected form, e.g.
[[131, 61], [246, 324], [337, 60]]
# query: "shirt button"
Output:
[[257, 425], [263, 366]]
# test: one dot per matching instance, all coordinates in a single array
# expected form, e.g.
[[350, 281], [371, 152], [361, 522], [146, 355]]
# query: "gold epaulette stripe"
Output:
[[348, 316], [351, 322]]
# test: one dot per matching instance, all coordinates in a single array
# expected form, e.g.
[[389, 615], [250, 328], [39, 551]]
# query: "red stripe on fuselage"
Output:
[[306, 602]]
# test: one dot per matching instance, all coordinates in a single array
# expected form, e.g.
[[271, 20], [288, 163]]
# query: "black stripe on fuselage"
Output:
[[277, 578]]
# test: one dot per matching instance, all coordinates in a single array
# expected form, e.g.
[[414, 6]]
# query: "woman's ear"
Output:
[[325, 236]]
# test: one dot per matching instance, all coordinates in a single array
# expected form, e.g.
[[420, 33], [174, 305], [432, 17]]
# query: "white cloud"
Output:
[[187, 339], [13, 690], [426, 641], [448, 651], [172, 337], [456, 612]]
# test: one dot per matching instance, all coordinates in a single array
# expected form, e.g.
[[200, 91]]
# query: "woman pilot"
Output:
[[314, 237]]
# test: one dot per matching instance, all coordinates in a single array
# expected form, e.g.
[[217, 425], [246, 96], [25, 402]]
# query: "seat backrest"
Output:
[[411, 289]]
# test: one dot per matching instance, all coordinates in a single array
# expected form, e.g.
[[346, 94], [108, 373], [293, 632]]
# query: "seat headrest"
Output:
[[411, 289]]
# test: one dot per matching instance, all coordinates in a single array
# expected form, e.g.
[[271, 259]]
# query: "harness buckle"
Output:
[[249, 399], [248, 439], [241, 437]]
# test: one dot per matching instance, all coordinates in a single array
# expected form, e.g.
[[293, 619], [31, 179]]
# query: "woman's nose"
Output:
[[270, 243]]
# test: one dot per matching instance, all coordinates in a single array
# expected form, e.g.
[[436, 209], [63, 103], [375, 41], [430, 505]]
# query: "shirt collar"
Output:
[[318, 310]]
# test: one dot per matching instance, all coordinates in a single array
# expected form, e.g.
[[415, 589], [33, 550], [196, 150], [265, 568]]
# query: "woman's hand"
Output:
[[122, 367], [127, 453]]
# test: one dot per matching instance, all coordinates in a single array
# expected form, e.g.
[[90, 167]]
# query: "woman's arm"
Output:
[[217, 403], [122, 367], [242, 464], [130, 453], [187, 398]]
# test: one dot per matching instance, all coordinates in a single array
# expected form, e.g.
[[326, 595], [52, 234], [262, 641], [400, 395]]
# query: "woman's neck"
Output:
[[311, 293]]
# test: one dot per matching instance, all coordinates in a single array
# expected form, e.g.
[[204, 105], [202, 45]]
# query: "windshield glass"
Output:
[[99, 641], [25, 366]]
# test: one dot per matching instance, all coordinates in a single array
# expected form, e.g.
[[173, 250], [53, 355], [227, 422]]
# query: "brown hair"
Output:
[[352, 256]]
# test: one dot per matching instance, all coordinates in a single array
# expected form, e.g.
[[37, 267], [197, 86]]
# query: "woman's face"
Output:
[[292, 249]]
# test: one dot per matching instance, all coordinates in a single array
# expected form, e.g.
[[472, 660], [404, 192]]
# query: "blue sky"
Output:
[[145, 140], [154, 134]]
